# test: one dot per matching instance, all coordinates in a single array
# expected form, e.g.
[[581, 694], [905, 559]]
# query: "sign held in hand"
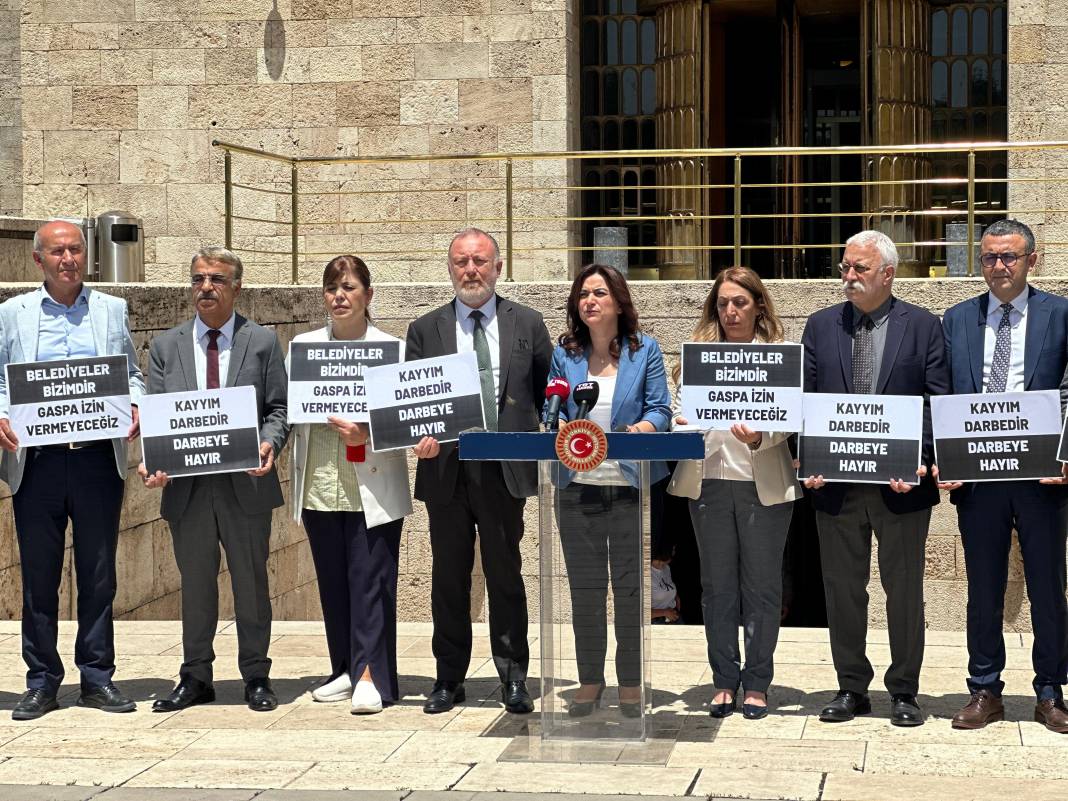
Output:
[[326, 379], [74, 400]]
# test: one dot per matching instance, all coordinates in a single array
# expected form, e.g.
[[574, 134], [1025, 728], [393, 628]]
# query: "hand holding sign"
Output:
[[350, 433], [266, 460], [426, 448], [156, 480], [8, 440], [135, 426]]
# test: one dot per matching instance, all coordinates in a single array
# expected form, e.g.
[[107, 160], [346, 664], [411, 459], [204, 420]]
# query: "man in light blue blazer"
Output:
[[82, 482]]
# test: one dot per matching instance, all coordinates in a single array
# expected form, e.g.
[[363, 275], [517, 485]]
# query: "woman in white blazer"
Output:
[[353, 512], [741, 503]]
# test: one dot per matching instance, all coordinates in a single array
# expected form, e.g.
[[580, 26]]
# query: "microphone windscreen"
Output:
[[587, 392], [559, 388]]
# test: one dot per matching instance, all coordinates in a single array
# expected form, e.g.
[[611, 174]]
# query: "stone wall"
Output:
[[121, 99], [148, 581], [10, 109]]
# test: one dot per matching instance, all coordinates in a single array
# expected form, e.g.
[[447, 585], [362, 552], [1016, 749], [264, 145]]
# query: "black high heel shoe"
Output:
[[723, 710], [583, 709], [631, 709], [755, 711]]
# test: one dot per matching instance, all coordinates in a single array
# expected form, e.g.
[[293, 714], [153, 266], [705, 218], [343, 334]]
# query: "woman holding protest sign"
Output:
[[352, 503], [599, 514], [741, 503]]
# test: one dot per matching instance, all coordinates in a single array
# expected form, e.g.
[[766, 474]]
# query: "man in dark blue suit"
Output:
[[1013, 338], [874, 343]]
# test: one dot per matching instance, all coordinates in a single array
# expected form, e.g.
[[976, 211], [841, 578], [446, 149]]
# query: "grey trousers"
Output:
[[213, 516], [845, 555], [741, 543]]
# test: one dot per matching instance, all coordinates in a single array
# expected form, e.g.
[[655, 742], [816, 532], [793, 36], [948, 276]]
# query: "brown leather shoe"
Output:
[[984, 708], [1052, 714]]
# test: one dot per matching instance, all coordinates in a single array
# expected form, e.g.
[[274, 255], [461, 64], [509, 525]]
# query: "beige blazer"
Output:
[[384, 489], [773, 470]]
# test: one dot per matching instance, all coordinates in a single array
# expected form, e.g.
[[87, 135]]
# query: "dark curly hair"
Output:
[[577, 336]]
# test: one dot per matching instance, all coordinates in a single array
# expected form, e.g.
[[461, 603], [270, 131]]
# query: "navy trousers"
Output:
[[986, 518], [357, 571], [83, 486]]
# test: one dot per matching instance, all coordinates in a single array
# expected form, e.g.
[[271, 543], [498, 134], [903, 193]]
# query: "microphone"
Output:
[[585, 396], [355, 453], [556, 393]]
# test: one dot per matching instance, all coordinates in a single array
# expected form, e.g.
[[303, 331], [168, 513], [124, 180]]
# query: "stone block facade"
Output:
[[148, 581], [114, 104]]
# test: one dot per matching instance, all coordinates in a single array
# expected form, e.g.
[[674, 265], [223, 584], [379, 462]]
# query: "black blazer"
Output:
[[524, 370], [1045, 348], [255, 360], [914, 363]]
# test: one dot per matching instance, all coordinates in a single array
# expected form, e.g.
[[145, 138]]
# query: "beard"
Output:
[[473, 294]]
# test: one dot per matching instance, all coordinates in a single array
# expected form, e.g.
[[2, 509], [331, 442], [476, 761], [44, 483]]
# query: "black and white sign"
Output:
[[755, 384], [863, 439], [326, 378], [196, 433], [1001, 436], [427, 398], [74, 400]]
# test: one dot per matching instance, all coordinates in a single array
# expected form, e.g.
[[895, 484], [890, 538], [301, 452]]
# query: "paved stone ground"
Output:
[[306, 751]]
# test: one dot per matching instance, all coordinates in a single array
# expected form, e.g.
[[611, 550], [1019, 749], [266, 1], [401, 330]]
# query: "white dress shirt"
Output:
[[1018, 325], [200, 352], [465, 335]]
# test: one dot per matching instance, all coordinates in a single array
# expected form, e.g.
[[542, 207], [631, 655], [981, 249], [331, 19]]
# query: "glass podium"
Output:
[[594, 555]]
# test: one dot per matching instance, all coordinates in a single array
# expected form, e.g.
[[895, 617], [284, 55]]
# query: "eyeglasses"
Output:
[[859, 269], [215, 280], [1008, 259]]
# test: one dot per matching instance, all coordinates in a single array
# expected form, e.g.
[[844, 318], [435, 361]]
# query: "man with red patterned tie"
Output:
[[219, 348]]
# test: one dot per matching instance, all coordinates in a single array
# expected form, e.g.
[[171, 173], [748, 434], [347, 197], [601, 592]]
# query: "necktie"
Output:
[[863, 356], [212, 381], [999, 368], [485, 372]]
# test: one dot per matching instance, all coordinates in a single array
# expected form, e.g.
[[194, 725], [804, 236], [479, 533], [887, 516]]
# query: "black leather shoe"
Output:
[[754, 711], [34, 704], [260, 695], [444, 696], [516, 698], [904, 711], [107, 699], [188, 692], [845, 706], [723, 710]]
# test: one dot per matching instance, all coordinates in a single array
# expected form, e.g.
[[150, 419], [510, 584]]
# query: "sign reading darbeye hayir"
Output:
[[755, 384], [327, 378], [437, 398], [196, 433], [1002, 436], [75, 400], [866, 439]]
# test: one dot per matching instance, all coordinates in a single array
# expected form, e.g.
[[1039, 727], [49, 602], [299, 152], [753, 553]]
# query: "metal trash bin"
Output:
[[120, 248]]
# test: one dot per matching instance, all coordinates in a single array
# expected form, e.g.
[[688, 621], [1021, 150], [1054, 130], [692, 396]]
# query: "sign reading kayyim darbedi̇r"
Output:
[[327, 378], [195, 433], [865, 439], [1001, 436], [755, 384], [437, 398], [75, 400]]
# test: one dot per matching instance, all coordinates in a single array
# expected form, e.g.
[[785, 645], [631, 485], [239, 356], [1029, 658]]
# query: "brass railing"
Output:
[[496, 174]]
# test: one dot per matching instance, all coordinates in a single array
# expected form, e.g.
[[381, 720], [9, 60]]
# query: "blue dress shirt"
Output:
[[65, 331]]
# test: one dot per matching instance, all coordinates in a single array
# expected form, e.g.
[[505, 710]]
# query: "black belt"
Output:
[[75, 446]]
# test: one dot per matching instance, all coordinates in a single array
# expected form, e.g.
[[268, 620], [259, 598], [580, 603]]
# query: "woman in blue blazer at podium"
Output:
[[599, 512]]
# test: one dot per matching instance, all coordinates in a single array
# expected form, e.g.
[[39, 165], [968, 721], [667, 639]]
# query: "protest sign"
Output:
[[74, 400], [426, 398], [326, 378], [196, 433], [1000, 436], [754, 383], [864, 439]]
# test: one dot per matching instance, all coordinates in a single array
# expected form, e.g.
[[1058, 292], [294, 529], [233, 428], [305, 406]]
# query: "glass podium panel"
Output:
[[595, 602]]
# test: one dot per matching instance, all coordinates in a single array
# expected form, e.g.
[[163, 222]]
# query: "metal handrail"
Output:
[[971, 209]]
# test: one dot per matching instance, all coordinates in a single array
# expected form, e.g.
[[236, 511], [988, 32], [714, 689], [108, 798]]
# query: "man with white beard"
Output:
[[875, 343], [513, 351]]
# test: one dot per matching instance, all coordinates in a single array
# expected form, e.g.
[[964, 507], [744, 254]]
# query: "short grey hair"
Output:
[[219, 255], [37, 233], [472, 231], [1012, 228], [884, 244]]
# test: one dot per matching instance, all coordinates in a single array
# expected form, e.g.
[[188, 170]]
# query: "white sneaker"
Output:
[[336, 690], [365, 699]]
